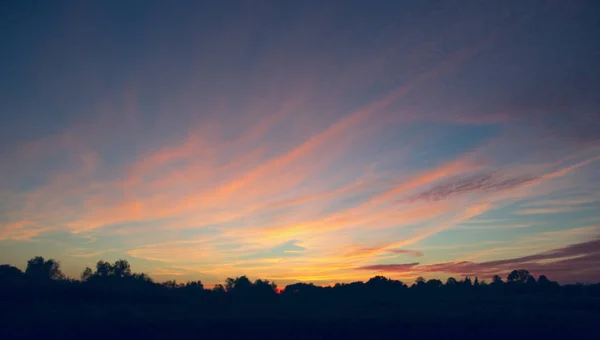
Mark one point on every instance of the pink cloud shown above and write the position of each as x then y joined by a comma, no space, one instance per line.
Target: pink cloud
406,252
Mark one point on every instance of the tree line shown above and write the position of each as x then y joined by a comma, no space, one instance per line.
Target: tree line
111,299
118,276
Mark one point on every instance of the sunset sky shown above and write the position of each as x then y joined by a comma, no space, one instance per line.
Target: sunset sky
315,141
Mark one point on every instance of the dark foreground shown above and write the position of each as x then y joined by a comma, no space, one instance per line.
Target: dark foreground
308,330
409,321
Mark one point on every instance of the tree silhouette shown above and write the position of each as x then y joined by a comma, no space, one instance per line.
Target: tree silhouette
519,275
142,277
172,284
86,274
218,288
41,270
264,287
434,283
121,268
382,282
197,285
378,280
497,280
103,269
239,284
451,281
303,288
10,274
229,284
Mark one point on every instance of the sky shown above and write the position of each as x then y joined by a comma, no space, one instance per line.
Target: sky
313,141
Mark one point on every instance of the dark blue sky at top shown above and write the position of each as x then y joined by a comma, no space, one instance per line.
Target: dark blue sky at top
58,56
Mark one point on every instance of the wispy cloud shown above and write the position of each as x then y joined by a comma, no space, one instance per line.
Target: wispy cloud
404,267
566,201
460,185
549,210
406,252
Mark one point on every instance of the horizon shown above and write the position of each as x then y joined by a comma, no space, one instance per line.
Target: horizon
108,270
315,141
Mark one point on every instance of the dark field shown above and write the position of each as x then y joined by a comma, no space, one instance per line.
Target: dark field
419,315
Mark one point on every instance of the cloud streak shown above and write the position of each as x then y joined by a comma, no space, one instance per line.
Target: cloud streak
461,185
406,252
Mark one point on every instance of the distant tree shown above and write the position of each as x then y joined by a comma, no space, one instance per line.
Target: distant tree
519,275
103,269
451,281
420,281
121,268
40,269
377,281
229,284
10,274
467,282
197,285
530,281
397,284
383,282
264,287
434,283
497,279
239,284
171,284
142,277
543,281
355,285
476,282
86,274
218,288
299,288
